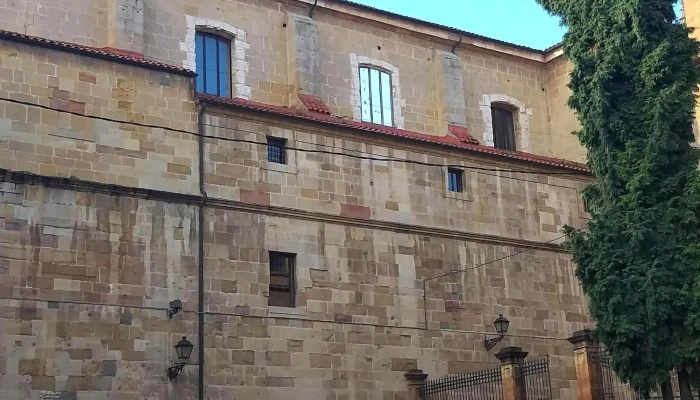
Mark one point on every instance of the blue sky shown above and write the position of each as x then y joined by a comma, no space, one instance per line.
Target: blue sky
522,22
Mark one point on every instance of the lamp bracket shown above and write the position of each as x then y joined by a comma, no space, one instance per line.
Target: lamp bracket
175,370
490,343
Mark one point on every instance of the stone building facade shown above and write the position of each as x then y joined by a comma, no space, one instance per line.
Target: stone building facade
116,172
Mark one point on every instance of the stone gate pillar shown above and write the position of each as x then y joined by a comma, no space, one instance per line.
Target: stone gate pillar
415,378
588,375
513,380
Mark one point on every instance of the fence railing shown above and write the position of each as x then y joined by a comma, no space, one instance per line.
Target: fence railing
610,387
538,385
479,385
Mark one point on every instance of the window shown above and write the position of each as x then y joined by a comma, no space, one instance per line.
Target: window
277,150
213,64
376,96
282,290
455,181
586,207
503,129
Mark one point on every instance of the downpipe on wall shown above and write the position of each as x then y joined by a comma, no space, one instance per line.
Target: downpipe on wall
200,255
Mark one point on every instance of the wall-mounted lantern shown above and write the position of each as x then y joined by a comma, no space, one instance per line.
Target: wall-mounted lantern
184,350
501,324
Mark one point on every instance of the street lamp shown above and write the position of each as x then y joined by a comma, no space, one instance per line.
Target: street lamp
184,350
501,325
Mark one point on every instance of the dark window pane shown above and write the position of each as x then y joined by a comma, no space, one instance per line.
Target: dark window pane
277,150
211,73
213,58
224,67
503,130
199,53
455,180
282,288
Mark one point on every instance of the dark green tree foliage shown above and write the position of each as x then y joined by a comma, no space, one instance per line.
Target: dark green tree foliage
633,87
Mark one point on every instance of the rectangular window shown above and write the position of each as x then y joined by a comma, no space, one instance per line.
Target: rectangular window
585,206
282,288
455,180
503,129
376,97
213,58
277,150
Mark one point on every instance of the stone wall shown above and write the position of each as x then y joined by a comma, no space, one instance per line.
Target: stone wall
47,142
562,119
509,205
67,257
83,22
271,73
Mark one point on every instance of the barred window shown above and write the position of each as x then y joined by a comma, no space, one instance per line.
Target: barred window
277,150
376,96
213,55
282,271
455,180
503,128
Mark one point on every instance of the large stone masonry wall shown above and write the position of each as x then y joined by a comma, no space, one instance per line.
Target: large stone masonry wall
563,122
84,22
46,142
77,251
60,144
358,325
512,205
272,78
270,72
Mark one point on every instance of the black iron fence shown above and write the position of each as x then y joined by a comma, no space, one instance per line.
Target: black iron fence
538,385
610,387
481,385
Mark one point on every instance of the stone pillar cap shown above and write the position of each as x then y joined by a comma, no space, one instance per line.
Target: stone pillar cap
582,338
509,355
416,375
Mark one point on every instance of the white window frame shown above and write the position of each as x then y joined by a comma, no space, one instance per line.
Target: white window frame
521,119
239,46
397,101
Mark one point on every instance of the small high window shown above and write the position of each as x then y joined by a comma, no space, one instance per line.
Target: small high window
277,150
213,64
282,288
376,96
503,128
455,180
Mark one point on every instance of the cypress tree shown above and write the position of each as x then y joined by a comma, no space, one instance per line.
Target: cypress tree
633,89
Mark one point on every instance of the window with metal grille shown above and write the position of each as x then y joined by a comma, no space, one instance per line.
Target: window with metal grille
376,97
277,150
213,58
503,128
282,288
455,180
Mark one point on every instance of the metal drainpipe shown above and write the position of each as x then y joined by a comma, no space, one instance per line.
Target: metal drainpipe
200,255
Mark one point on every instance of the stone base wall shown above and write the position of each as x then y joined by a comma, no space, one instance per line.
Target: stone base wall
85,280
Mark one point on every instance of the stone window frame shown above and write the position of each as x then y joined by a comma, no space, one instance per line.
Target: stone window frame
397,100
468,177
291,166
239,46
521,119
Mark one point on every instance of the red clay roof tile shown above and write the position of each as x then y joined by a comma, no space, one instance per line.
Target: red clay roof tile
106,53
461,143
314,104
462,134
